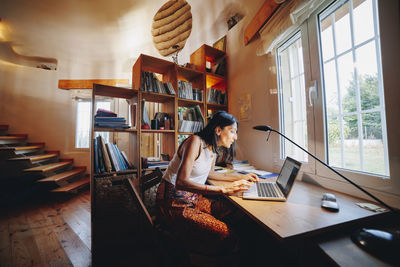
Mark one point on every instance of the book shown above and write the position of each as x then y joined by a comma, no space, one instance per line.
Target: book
113,157
145,115
121,162
100,155
130,165
106,156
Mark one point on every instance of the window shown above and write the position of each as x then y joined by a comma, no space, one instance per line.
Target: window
83,121
292,103
345,123
354,101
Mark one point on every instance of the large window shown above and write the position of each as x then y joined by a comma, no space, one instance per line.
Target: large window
341,44
354,101
83,121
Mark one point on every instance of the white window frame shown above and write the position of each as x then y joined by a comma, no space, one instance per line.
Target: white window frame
388,189
308,166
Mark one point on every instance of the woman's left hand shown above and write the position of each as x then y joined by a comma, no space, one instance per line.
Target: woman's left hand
251,177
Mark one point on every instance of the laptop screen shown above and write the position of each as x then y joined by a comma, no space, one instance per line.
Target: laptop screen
288,174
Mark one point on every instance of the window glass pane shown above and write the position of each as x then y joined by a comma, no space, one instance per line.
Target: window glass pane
331,88
374,156
347,83
342,29
355,117
334,141
327,38
83,121
292,98
82,124
363,21
351,146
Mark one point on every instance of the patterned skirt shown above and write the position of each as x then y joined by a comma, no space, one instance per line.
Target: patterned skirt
205,222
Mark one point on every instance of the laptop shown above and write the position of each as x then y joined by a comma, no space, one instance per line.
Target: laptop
279,190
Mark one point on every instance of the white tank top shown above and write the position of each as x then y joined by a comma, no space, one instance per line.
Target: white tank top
201,166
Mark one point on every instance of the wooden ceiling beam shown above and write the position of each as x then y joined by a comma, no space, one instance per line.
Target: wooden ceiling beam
88,84
262,16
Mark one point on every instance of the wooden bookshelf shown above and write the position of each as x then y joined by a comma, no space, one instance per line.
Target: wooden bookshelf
136,138
211,80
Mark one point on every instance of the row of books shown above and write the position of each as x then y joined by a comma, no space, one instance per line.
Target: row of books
216,96
190,119
185,90
151,83
108,119
108,157
189,126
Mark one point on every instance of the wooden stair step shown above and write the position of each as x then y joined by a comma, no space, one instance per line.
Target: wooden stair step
12,137
64,175
36,158
23,149
72,186
30,147
50,167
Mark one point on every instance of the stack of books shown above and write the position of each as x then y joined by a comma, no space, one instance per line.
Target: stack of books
153,163
108,119
243,166
108,157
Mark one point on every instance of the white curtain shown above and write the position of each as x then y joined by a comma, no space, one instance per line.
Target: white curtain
290,15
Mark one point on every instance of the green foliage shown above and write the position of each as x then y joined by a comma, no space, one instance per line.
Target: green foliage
369,95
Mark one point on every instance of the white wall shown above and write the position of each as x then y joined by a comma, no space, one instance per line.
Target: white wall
89,40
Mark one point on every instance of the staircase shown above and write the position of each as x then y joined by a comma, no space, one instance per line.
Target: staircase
27,168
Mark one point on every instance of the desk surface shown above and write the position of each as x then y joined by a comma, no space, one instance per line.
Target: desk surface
301,215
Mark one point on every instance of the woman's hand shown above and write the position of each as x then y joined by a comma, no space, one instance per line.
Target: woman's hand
251,177
237,186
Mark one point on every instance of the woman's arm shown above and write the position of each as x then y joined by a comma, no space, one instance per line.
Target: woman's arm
231,177
190,151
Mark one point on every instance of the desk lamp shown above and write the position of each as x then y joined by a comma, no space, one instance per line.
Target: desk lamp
384,245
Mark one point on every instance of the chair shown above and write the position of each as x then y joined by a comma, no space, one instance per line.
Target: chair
168,242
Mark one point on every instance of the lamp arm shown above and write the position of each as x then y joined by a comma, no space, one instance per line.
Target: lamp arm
329,167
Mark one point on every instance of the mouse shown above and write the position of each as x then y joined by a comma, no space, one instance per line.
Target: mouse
330,205
329,202
382,244
329,197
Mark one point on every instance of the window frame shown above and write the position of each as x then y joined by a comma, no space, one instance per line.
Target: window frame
386,187
74,128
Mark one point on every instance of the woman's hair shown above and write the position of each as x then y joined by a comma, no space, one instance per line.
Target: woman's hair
221,119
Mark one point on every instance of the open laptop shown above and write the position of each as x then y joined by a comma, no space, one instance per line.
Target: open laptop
279,190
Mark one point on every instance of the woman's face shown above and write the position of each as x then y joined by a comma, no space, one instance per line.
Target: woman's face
227,135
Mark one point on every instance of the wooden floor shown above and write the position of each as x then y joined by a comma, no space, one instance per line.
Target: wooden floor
47,232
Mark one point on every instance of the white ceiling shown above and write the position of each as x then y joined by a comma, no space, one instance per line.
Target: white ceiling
98,32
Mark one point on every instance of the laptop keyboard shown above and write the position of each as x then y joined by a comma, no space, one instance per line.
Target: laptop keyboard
267,190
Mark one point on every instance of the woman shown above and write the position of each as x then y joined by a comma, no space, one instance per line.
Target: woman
184,197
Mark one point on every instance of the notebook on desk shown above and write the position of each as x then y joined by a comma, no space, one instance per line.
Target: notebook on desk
279,190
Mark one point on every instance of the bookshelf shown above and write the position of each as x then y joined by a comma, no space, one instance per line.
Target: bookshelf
107,183
207,59
150,92
148,74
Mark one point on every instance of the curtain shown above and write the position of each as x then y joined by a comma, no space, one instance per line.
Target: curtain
290,15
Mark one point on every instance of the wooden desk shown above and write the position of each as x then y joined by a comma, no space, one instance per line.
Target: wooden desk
301,215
